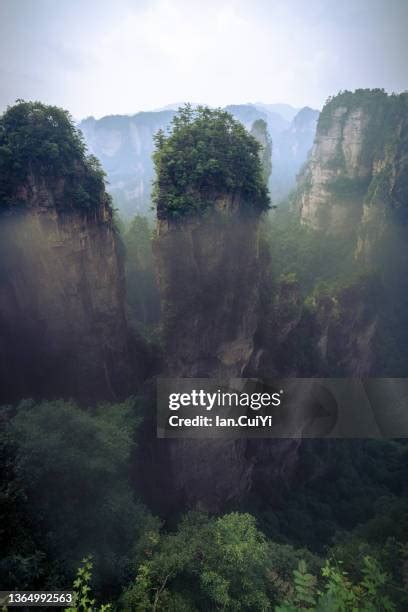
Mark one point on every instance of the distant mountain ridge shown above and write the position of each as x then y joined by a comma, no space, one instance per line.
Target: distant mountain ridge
124,145
286,111
290,152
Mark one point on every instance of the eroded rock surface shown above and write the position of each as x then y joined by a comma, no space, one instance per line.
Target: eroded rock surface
62,306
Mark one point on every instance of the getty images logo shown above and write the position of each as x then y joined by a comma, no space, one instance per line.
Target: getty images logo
221,399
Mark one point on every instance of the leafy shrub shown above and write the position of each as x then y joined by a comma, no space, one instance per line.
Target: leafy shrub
207,564
339,594
83,599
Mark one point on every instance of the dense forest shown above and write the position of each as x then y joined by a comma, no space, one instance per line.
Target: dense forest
336,540
80,504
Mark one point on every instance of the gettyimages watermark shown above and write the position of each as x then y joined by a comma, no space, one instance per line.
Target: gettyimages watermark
282,408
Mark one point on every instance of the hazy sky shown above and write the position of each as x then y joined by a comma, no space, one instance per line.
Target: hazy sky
97,57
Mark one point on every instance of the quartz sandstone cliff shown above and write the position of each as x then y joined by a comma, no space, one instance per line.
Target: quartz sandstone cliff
354,188
332,336
208,271
320,207
62,304
355,180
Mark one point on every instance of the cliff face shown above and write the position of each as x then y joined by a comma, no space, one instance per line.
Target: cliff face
357,162
208,273
332,336
345,331
259,131
320,206
355,188
62,319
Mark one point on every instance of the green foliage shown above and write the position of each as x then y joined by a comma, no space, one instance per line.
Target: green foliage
206,154
304,586
283,560
42,141
310,256
83,600
342,483
366,99
383,538
226,563
304,590
70,468
339,594
207,564
67,490
349,188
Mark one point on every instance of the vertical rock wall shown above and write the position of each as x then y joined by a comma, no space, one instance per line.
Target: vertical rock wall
63,330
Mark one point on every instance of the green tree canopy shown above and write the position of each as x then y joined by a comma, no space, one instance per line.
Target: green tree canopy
41,140
207,153
208,564
70,476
